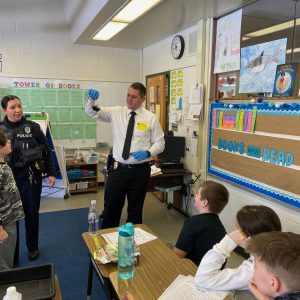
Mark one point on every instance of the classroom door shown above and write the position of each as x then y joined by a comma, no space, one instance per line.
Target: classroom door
157,97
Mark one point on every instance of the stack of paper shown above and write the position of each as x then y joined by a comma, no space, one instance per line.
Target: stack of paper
183,287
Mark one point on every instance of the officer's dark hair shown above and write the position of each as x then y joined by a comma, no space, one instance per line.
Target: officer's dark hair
7,98
140,87
3,139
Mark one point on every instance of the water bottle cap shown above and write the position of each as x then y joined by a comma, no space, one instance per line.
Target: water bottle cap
126,230
11,289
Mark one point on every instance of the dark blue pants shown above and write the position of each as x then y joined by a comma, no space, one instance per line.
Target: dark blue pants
130,182
30,191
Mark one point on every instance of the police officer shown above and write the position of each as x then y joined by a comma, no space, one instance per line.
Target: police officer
137,137
31,157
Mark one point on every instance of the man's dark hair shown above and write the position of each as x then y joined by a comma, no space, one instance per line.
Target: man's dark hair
7,98
140,87
254,219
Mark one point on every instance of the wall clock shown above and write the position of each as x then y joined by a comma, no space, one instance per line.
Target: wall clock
177,46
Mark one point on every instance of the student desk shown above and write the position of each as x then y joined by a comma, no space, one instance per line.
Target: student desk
157,268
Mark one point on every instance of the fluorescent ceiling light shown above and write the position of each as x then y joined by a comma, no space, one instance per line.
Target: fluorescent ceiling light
275,28
109,30
134,9
289,51
129,13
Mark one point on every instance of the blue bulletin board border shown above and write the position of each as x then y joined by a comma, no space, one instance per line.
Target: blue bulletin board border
239,180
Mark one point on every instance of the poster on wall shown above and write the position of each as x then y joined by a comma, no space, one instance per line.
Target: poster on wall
257,147
258,66
285,78
226,85
227,53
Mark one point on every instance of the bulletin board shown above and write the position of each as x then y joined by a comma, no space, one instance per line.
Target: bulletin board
65,108
64,102
257,147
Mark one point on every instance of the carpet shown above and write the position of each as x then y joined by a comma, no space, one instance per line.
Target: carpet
61,243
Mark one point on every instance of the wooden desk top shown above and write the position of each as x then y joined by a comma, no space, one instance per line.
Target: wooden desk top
156,250
157,268
152,279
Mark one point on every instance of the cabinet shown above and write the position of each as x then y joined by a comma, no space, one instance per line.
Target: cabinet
82,177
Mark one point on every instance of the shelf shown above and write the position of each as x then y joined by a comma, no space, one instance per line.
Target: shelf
94,189
85,177
83,184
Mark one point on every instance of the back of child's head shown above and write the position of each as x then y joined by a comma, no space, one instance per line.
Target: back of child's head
216,194
280,252
254,219
3,139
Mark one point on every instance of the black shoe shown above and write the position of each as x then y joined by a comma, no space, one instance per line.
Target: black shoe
33,255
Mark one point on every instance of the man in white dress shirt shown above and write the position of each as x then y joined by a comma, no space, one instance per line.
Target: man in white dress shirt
137,137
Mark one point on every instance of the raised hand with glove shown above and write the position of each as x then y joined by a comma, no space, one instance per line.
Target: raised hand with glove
93,94
141,155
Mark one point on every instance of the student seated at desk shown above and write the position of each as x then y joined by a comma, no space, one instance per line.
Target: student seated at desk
277,266
202,231
250,220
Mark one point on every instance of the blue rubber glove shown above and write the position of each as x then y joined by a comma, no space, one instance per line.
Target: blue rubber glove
141,155
93,94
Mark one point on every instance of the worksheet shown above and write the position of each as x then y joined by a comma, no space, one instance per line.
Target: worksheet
140,236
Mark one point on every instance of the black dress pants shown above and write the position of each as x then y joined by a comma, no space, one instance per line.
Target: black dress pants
131,182
30,188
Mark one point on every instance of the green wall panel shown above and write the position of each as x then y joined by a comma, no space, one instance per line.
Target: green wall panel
64,106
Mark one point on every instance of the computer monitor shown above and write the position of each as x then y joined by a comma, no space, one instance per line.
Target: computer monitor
174,148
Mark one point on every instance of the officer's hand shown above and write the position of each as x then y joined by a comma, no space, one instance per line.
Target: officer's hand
51,181
93,94
140,155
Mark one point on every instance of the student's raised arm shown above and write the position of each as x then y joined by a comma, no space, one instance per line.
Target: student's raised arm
211,277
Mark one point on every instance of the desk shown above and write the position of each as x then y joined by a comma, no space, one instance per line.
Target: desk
157,268
171,178
152,279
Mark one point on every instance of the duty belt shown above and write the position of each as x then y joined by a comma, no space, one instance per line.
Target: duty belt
117,164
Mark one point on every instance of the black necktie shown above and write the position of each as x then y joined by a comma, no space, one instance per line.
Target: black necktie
130,127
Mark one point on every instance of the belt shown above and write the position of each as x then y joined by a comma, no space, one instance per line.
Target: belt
117,164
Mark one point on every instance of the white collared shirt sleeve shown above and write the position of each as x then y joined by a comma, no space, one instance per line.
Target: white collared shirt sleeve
89,110
210,276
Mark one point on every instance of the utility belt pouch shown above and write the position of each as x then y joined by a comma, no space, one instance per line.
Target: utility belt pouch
32,155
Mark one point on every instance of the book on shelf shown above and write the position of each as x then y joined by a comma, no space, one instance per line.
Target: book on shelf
285,82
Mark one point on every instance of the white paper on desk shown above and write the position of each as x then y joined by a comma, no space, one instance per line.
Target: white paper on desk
140,236
183,287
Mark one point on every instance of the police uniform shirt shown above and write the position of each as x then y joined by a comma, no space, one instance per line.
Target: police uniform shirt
147,135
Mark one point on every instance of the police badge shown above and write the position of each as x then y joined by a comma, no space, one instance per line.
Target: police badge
115,165
27,129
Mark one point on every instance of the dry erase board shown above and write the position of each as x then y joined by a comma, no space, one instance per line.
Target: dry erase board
257,146
64,101
65,108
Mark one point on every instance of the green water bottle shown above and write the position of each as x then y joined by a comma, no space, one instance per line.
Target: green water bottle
126,251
